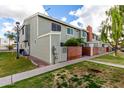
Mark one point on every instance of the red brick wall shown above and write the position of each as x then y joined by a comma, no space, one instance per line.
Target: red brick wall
74,52
107,49
90,34
86,51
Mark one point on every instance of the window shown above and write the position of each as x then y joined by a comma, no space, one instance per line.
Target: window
84,34
23,31
69,31
56,27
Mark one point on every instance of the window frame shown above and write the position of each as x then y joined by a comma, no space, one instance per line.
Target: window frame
71,31
55,27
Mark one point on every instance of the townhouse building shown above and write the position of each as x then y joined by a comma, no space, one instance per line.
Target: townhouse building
43,37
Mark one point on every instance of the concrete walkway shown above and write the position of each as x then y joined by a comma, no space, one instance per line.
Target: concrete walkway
24,75
106,63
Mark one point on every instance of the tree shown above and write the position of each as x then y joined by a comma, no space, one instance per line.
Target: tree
11,36
112,28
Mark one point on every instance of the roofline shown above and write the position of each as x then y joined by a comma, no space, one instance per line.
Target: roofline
53,19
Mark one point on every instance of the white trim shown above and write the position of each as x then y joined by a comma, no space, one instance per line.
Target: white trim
50,50
50,33
60,50
37,26
91,51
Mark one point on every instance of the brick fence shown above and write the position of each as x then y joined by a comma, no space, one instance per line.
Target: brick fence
86,51
74,52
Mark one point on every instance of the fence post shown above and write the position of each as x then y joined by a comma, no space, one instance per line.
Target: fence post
12,79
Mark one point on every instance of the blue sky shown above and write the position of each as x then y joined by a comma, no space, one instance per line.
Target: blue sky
59,11
56,11
4,20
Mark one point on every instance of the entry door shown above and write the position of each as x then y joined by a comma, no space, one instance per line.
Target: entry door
63,54
58,54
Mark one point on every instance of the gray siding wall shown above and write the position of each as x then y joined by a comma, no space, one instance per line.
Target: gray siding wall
32,30
44,26
40,47
65,36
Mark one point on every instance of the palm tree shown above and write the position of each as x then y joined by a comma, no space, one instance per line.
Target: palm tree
11,36
112,28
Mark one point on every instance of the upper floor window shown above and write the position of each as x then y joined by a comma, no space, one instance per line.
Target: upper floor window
94,37
70,31
84,34
56,27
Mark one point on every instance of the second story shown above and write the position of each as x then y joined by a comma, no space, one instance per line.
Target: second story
39,25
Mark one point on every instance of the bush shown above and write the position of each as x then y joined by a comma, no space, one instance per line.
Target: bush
73,42
65,79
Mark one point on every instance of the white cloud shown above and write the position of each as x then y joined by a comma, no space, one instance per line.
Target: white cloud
90,15
64,19
20,9
7,27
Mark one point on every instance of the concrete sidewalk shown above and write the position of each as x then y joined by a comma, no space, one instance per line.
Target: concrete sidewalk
28,74
105,63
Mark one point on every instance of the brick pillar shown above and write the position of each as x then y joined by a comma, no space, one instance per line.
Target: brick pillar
90,34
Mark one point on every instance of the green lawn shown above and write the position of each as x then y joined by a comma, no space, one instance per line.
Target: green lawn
111,58
83,74
10,65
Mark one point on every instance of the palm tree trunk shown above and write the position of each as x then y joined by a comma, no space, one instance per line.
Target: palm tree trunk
9,45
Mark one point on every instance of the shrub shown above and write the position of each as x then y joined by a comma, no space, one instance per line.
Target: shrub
81,41
64,78
73,42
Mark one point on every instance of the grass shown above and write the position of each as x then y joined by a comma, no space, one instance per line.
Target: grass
119,59
10,65
91,75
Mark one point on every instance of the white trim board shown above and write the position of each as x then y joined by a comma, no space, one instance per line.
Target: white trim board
37,26
50,33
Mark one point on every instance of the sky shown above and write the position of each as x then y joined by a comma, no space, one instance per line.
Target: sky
77,15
